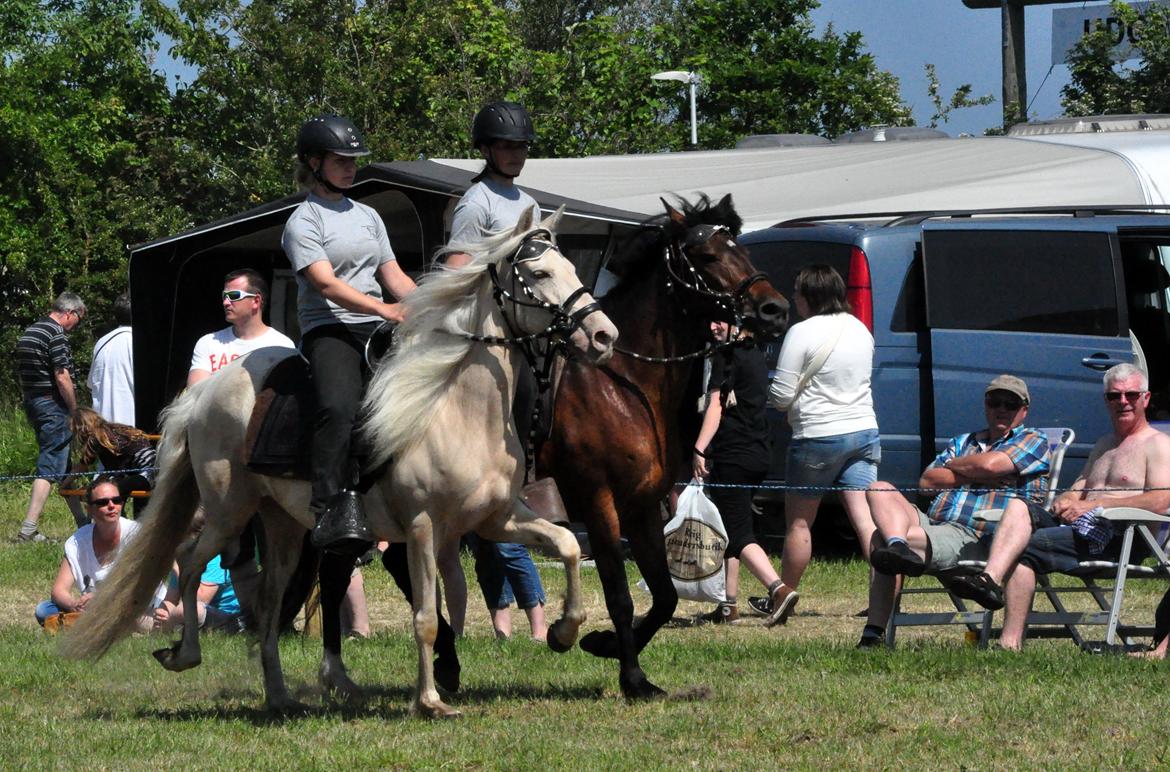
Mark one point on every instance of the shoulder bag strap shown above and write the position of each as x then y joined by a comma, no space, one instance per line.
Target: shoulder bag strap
818,360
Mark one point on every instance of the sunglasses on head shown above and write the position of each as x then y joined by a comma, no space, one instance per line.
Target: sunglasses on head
119,500
1131,396
234,295
995,403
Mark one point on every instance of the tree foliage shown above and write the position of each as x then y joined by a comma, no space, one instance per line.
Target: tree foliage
102,152
1099,86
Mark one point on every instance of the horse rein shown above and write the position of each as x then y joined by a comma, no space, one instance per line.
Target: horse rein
698,235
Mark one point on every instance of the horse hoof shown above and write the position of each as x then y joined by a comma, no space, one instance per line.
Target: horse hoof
287,706
601,643
643,691
554,637
437,710
169,658
447,676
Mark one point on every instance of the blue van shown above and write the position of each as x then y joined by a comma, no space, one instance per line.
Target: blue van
955,298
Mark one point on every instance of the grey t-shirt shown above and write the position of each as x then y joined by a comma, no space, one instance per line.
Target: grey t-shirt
486,208
352,238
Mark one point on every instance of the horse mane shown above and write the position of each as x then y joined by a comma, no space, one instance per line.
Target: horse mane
428,348
641,252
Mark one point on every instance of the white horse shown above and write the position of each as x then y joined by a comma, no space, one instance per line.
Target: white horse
439,411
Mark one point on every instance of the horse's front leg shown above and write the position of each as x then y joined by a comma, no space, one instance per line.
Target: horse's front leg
522,525
446,667
420,547
619,643
335,573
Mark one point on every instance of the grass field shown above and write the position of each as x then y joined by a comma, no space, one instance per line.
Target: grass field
741,696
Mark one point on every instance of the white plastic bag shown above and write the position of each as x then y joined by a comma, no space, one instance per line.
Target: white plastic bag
695,543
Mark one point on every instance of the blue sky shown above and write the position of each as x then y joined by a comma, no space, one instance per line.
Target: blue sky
963,44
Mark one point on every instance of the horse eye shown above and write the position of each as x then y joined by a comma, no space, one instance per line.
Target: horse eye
540,275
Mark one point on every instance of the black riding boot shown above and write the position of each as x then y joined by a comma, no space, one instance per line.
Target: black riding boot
342,528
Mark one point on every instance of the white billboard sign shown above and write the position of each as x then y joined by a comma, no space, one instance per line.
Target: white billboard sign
1069,25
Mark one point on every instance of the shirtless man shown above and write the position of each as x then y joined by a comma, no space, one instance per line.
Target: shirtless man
1134,458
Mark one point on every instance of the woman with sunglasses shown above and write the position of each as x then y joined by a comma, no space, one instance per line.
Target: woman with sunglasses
341,253
823,382
90,553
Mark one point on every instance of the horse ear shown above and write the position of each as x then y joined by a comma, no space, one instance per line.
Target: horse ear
524,224
551,222
725,204
677,217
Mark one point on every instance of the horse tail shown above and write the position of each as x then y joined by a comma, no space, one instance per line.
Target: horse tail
146,559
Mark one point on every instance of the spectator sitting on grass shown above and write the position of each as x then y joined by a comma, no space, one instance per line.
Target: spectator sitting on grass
90,553
218,607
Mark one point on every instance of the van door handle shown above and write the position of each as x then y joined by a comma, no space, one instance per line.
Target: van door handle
1100,362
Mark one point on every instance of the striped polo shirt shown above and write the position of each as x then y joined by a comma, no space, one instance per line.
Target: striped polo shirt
40,352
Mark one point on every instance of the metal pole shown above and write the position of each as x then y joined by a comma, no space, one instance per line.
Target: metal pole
694,122
1015,88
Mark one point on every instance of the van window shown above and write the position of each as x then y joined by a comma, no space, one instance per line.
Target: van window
782,260
1025,281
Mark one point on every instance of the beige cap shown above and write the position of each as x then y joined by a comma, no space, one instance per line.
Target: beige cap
1009,383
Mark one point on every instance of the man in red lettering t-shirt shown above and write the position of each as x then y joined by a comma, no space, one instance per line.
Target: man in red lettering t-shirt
244,294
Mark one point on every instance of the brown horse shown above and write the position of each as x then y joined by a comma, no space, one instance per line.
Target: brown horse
615,444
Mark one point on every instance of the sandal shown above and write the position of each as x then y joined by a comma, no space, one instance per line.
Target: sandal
980,588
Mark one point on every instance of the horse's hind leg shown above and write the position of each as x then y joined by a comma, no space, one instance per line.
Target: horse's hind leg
193,557
335,574
420,546
283,538
619,643
446,666
524,526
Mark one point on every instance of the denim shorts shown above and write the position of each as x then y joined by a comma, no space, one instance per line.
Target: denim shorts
842,459
50,419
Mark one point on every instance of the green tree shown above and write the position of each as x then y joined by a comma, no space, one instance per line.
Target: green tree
1099,86
764,71
960,98
80,118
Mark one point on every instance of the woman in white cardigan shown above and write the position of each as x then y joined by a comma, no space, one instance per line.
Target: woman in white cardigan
823,382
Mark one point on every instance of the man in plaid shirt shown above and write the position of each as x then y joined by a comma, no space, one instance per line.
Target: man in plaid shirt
1133,458
1003,467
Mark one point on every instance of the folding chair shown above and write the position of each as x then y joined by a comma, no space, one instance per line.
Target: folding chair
1108,599
976,619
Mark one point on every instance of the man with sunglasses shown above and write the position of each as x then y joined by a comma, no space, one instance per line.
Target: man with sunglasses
1134,458
243,298
44,365
1002,467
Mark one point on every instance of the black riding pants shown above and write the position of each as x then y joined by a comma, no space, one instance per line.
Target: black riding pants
336,355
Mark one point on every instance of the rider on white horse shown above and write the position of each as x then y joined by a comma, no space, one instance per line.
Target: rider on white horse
341,253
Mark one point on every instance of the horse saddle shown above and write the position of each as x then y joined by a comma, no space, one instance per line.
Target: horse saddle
280,431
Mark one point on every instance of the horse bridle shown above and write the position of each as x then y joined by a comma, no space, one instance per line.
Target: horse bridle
675,252
560,328
697,286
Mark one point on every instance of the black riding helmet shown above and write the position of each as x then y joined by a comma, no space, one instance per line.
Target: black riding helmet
495,121
329,134
501,120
